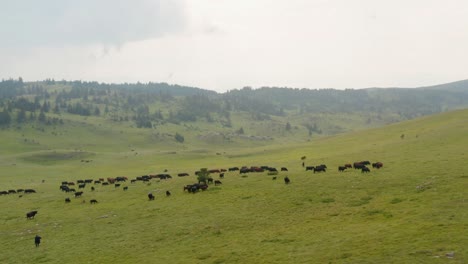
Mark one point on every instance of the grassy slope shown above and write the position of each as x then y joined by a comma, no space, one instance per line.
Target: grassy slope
349,217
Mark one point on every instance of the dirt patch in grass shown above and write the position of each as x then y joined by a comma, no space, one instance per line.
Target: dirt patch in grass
49,158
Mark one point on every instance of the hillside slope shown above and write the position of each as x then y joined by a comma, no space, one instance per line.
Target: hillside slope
413,210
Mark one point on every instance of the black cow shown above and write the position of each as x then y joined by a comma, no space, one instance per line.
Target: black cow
183,174
308,168
287,180
284,169
117,185
78,194
92,188
20,190
377,165
320,168
342,168
71,190
97,182
221,175
358,165
365,169
210,180
64,188
93,201
348,166
217,182
150,196
270,169
29,191
168,193
3,193
81,186
233,169
67,200
125,188
30,215
105,183
64,183
88,181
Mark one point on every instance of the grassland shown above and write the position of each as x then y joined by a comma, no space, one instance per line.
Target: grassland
413,210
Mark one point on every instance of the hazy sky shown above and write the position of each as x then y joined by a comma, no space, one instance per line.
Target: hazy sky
227,44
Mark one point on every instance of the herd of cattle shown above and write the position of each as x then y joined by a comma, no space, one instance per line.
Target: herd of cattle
69,186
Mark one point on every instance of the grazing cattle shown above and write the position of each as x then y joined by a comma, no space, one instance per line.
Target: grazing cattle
71,190
183,174
125,188
377,165
3,193
88,181
214,171
284,169
133,181
308,168
121,178
78,194
64,183
244,170
365,162
342,168
71,183
93,201
168,193
270,169
67,200
287,180
105,183
233,169
365,169
92,188
97,182
29,191
348,166
358,165
210,180
117,185
101,179
274,178
221,175
320,168
64,188
81,186
20,190
30,215
150,196
217,182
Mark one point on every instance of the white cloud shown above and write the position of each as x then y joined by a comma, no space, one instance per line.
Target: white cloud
226,44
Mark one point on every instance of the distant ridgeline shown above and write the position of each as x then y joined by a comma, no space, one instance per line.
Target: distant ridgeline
150,104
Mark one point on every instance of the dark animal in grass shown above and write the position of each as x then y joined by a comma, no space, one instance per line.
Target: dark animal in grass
30,215
29,191
358,165
78,194
217,182
284,169
93,201
377,165
287,180
37,240
168,193
117,185
365,169
221,175
67,200
125,188
342,168
308,168
92,188
150,196
210,180
81,186
274,178
320,168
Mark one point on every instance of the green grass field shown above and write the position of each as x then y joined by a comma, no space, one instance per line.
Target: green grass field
413,210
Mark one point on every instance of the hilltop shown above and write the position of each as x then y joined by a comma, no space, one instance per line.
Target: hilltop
76,115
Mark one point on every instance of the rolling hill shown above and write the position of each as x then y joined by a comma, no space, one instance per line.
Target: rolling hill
413,210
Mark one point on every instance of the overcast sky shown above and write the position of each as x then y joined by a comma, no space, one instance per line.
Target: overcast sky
227,44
